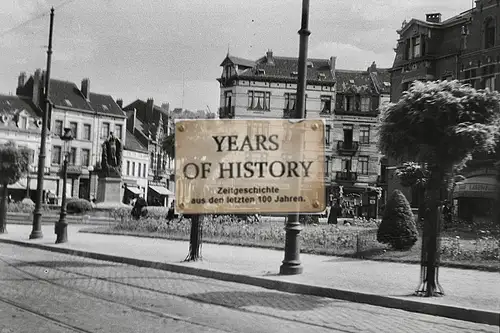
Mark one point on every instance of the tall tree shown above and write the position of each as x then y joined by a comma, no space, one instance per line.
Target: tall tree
441,124
414,176
14,162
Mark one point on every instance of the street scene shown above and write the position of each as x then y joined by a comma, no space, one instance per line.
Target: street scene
242,166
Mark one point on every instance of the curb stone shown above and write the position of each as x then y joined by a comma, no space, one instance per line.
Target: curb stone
452,312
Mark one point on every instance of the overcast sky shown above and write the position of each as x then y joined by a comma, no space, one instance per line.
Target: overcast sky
148,48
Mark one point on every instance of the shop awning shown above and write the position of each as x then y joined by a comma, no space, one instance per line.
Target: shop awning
17,186
161,190
134,190
477,187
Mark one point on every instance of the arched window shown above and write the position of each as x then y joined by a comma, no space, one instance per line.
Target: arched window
489,33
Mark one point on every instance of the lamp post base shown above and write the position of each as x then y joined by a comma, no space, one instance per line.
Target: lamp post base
291,268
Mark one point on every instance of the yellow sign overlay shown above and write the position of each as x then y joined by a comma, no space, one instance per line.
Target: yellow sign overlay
237,166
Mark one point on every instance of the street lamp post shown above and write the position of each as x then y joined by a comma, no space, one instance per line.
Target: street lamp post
61,225
291,264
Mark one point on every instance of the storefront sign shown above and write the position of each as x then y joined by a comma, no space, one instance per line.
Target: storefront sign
249,166
476,190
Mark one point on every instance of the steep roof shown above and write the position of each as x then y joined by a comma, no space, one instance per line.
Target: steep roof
369,81
105,104
131,143
67,94
10,104
287,68
438,25
238,61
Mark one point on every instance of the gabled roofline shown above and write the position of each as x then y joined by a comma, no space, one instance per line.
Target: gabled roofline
441,25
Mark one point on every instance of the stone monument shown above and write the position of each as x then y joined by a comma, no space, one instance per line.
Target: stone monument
109,190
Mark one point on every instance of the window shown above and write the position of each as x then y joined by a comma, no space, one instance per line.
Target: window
259,100
144,171
349,103
152,162
74,129
118,130
326,104
327,166
489,83
139,165
72,157
346,164
489,33
86,132
22,122
363,165
56,154
327,134
85,157
364,135
58,127
128,168
290,100
133,168
365,104
228,95
416,47
105,130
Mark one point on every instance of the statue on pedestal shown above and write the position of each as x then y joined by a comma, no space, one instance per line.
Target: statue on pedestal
111,161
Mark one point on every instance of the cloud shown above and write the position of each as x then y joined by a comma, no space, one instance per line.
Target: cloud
350,56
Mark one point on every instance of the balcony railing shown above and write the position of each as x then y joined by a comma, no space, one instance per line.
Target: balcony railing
371,113
226,112
346,176
347,148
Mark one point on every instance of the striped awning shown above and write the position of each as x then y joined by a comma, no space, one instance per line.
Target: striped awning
161,190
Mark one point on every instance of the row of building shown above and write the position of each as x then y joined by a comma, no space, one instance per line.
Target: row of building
465,47
92,117
347,100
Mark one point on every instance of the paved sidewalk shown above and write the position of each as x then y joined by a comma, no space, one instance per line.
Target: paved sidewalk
470,295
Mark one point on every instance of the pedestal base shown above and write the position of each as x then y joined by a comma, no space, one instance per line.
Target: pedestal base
109,192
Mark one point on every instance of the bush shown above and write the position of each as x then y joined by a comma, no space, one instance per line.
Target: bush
398,228
77,205
309,219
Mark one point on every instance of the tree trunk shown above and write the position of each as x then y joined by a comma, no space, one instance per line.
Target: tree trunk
3,209
429,285
195,238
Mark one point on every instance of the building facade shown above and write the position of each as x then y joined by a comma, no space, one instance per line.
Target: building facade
347,101
92,118
135,168
149,124
465,47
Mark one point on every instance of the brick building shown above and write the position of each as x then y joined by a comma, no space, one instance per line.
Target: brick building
464,47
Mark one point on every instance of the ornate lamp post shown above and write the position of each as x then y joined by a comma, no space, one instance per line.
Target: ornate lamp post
61,225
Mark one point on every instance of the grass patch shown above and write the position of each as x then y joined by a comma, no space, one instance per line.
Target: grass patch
467,251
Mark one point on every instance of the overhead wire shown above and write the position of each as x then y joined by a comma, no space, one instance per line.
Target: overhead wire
22,24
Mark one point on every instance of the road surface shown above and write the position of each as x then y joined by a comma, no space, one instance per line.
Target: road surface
42,291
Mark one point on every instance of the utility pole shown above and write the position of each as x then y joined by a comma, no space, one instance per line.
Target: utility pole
291,264
37,214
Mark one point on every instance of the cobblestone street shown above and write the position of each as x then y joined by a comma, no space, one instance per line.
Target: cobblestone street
48,292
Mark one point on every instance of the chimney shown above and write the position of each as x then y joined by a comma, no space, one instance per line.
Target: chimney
372,68
331,63
119,101
86,88
269,57
37,88
131,116
149,109
433,18
21,80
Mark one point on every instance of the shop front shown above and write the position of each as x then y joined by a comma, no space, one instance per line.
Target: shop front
476,197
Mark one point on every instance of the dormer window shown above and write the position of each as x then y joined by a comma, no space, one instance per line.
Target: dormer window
321,76
67,102
294,74
260,71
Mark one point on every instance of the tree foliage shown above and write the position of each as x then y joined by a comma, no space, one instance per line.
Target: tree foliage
14,162
398,227
440,122
411,174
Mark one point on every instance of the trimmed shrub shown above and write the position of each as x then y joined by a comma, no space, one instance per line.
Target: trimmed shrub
398,228
78,206
309,219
